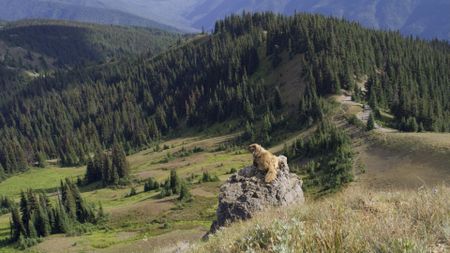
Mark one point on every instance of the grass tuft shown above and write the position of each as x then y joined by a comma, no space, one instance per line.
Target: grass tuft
355,220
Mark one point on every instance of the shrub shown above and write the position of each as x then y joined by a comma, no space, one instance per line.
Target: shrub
232,171
330,152
151,185
370,123
185,195
133,192
209,178
353,120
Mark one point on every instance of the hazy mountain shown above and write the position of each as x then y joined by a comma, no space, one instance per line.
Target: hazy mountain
425,18
85,11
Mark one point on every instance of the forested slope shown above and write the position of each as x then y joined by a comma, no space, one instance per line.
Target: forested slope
33,48
219,77
67,44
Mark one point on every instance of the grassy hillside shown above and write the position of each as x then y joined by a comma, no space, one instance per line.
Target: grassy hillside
402,160
194,109
137,222
145,221
228,75
356,220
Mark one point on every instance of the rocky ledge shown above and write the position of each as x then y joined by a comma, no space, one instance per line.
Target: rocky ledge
246,193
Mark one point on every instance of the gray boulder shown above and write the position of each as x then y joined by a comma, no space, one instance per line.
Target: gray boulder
246,193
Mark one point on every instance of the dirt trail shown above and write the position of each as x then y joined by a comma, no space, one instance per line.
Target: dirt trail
364,114
395,160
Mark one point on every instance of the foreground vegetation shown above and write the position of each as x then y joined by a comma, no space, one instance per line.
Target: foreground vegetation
188,171
147,219
35,217
355,220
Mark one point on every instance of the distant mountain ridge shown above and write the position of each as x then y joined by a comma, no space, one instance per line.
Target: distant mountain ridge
424,18
12,10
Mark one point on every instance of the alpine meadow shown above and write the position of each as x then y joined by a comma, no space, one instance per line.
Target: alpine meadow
138,139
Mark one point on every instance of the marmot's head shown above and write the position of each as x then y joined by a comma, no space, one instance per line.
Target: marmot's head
254,148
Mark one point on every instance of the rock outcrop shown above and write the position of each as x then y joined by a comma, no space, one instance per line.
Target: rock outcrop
245,193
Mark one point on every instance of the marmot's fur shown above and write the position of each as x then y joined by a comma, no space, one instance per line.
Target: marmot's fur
265,161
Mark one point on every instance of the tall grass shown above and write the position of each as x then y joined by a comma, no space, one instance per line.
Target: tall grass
355,220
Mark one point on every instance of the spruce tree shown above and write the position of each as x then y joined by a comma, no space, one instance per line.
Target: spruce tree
68,200
174,182
184,193
119,161
370,122
17,226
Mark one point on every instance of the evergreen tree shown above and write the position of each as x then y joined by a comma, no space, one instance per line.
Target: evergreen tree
68,200
37,217
174,182
17,226
370,122
184,193
132,192
40,159
119,161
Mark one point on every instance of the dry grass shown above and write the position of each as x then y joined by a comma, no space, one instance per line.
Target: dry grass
405,160
355,220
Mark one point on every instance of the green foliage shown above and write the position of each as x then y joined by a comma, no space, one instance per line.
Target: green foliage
133,192
174,181
36,217
110,169
183,152
5,204
71,114
25,242
151,185
353,120
171,186
410,125
40,160
185,195
370,122
70,44
207,177
232,171
331,157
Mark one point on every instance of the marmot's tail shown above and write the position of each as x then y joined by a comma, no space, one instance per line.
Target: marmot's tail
271,175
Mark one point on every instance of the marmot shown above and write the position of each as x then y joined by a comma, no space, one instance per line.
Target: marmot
265,161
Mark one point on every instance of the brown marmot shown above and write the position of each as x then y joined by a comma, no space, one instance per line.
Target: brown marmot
265,161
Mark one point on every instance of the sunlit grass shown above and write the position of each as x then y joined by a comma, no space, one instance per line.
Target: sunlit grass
355,220
38,179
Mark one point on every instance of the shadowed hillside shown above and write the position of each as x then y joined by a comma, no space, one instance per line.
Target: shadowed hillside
218,77
36,48
68,44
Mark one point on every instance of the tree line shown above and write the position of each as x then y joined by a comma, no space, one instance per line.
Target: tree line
110,169
69,115
36,216
329,154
